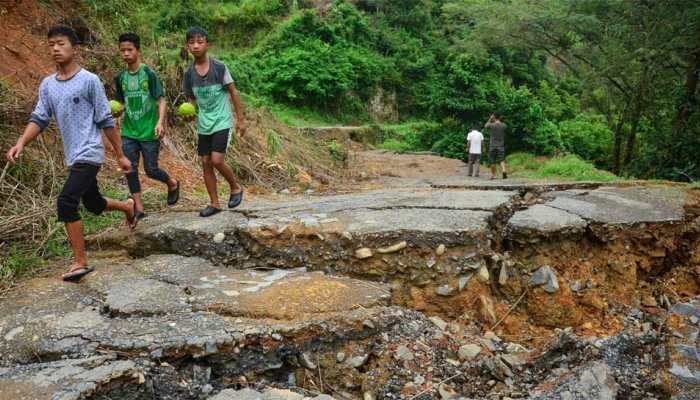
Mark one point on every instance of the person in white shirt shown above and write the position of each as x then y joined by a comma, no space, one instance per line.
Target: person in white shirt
475,143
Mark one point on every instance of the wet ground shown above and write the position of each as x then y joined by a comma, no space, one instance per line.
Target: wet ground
423,284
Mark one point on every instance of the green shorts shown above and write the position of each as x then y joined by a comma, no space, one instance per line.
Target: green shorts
496,155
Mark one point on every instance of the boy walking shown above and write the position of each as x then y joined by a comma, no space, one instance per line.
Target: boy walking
208,83
475,144
76,99
497,144
140,91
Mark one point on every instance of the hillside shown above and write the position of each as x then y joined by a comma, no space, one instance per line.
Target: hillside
415,75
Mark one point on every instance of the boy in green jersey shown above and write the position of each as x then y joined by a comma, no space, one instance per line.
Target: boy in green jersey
208,83
140,90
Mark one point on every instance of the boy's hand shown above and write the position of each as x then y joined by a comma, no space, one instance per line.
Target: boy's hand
14,153
241,127
117,114
160,130
124,164
188,118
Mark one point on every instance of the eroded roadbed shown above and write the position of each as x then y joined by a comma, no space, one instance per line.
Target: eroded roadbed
553,292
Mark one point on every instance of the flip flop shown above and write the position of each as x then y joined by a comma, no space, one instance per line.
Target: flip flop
235,199
209,211
133,221
77,275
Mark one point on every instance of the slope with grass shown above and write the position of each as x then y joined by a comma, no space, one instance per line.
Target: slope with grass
567,167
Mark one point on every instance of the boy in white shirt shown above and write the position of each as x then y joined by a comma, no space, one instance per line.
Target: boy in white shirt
475,144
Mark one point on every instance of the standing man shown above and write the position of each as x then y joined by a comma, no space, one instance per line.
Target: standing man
140,90
475,145
208,83
77,100
497,144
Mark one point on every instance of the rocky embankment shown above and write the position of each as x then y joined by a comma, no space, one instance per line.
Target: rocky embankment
477,290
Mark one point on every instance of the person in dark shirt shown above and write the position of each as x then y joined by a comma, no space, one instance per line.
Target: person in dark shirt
497,144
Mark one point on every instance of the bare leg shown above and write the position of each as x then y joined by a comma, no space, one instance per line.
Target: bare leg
77,244
127,207
76,234
210,181
493,171
218,159
503,167
172,184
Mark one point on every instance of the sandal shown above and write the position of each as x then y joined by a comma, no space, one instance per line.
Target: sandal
209,211
78,274
235,199
174,195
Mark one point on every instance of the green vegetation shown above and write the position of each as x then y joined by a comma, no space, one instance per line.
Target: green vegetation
613,82
568,167
584,86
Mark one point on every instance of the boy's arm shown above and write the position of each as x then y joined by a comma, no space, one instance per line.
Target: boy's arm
103,120
115,139
238,107
162,110
30,133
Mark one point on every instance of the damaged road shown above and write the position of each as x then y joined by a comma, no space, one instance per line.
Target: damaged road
524,290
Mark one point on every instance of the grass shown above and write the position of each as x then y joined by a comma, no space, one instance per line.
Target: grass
396,145
568,167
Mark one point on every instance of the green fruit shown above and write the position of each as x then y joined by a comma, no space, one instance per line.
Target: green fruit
115,106
186,110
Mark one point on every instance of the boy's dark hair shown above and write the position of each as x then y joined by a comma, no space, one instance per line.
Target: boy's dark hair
196,31
132,38
64,30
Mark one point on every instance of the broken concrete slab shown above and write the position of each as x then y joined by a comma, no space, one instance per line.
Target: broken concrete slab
542,219
512,184
328,230
65,379
386,199
623,205
145,297
194,283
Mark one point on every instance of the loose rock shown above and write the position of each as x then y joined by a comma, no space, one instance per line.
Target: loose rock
219,237
363,253
469,352
440,250
392,249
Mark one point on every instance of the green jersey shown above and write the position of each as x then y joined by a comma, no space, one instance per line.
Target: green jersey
139,92
213,100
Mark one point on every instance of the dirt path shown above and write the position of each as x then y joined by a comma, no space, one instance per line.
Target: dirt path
405,287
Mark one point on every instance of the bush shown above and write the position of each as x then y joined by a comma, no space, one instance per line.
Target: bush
395,145
569,167
588,136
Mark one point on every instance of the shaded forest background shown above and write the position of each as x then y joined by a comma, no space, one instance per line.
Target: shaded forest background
612,81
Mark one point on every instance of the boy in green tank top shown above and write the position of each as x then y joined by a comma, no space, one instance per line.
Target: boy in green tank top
140,91
208,83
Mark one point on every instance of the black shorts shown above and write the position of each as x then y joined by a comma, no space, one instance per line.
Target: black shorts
496,155
80,185
216,142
